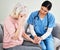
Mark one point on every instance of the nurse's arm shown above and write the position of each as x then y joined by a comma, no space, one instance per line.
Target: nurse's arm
31,28
36,38
47,33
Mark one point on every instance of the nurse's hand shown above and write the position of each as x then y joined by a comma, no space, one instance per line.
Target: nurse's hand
37,39
40,39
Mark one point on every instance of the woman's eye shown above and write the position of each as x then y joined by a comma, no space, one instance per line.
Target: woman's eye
21,16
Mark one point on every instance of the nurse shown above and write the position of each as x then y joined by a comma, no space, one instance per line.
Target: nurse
41,24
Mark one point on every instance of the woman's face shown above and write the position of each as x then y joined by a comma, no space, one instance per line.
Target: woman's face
22,15
18,15
43,10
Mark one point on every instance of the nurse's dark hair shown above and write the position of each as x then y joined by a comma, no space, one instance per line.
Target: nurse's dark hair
47,4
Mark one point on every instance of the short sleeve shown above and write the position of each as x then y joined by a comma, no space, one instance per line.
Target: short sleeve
9,27
51,21
30,19
8,30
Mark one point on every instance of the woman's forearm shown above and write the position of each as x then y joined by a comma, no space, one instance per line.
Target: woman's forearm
27,37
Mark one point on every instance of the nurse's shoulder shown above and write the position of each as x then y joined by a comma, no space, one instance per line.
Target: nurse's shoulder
50,15
33,14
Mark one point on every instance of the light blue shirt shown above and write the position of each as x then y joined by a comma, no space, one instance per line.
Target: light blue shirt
40,26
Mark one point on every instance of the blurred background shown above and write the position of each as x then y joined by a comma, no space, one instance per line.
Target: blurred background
6,7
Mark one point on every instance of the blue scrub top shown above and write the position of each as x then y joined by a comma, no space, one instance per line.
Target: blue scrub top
40,26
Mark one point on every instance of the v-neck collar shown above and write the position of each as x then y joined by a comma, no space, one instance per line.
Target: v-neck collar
43,18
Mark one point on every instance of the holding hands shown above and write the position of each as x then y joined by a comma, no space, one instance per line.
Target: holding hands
37,39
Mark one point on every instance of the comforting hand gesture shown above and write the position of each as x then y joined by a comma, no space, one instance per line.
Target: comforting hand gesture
37,40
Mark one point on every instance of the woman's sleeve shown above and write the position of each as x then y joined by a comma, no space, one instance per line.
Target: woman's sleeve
8,30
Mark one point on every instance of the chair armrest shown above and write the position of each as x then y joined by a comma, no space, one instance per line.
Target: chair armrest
1,33
56,31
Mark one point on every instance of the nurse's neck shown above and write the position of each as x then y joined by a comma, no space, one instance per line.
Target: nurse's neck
41,15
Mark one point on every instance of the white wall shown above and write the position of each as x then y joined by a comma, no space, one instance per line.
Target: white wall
7,5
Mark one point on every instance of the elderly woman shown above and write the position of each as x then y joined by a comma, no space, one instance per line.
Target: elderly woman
14,28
